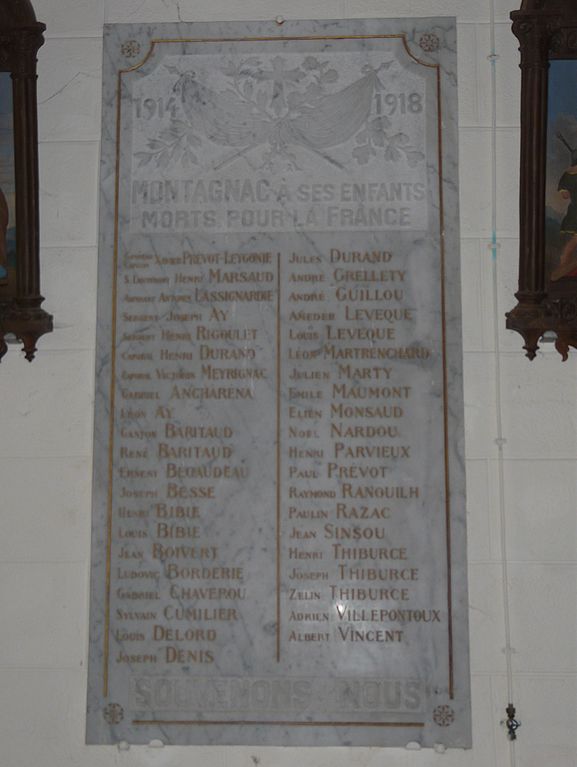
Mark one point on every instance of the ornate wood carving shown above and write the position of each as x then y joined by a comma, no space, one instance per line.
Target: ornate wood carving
546,30
21,315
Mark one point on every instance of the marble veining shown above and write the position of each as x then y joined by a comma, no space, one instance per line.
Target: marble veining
279,551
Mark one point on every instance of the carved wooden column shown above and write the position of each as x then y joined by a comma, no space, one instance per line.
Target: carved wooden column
21,35
546,30
534,38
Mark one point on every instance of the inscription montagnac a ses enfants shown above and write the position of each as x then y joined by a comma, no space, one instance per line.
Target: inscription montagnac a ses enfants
278,515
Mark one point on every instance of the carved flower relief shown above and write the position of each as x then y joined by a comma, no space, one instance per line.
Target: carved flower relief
444,716
429,42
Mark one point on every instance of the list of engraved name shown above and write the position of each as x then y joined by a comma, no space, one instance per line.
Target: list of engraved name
321,347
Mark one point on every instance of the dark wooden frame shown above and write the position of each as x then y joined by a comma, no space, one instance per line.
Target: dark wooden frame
546,30
21,315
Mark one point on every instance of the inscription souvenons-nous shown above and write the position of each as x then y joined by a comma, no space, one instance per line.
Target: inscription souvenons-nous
278,497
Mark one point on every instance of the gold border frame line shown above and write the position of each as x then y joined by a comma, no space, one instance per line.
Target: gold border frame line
106,649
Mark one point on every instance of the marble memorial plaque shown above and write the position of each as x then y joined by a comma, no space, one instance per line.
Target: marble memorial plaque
279,511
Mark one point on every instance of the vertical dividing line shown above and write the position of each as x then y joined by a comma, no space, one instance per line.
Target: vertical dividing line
499,441
445,392
278,460
106,652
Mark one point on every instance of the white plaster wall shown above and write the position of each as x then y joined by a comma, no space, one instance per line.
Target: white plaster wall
46,423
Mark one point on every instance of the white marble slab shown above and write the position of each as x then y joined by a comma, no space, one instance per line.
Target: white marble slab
278,518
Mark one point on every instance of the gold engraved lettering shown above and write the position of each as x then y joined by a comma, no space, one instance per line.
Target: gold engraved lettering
175,375
204,333
211,392
343,450
356,256
345,511
304,413
126,317
348,573
185,433
309,375
340,352
369,275
309,296
303,316
379,491
180,278
307,616
306,277
174,654
126,513
135,615
308,636
303,354
303,535
139,394
295,513
203,452
183,316
296,433
349,634
132,413
138,299
305,393
171,335
294,553
359,334
356,314
168,356
162,552
137,357
208,352
168,298
218,275
126,492
164,530
303,335
148,596
295,594
308,575
164,634
203,573
192,614
218,593
123,657
203,296
362,373
167,511
137,433
301,452
123,573
126,473
124,533
363,595
356,553
174,471
357,471
121,635
130,376
296,473
333,532
126,452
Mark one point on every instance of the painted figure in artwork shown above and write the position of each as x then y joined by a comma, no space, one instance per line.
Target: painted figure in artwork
568,189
